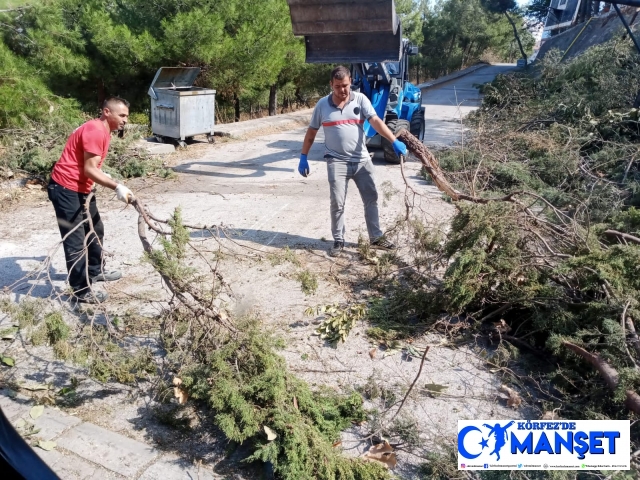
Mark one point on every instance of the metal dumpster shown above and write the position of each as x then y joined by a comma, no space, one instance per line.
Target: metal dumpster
178,109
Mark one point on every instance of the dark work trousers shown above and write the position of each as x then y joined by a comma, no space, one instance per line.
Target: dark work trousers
70,212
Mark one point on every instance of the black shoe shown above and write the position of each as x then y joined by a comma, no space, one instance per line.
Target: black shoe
337,248
383,244
107,276
92,297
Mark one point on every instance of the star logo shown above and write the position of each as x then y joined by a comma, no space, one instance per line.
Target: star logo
484,443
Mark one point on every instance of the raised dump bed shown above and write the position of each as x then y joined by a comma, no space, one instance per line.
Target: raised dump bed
347,31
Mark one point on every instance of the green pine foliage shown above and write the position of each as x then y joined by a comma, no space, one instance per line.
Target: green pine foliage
564,140
26,99
458,33
247,386
244,385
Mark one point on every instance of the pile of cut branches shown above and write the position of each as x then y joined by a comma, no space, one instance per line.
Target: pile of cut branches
232,367
544,250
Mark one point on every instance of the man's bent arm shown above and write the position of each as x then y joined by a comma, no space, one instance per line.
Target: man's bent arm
379,126
92,171
309,137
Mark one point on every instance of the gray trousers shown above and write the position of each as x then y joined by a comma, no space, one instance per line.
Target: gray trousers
362,173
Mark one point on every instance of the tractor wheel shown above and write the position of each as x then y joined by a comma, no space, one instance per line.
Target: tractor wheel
395,126
417,125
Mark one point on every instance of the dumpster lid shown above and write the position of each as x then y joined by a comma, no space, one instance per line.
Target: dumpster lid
167,77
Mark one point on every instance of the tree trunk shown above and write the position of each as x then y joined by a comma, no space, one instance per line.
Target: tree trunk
102,95
236,105
453,42
273,100
515,33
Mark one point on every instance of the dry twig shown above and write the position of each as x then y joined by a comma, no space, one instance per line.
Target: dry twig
424,356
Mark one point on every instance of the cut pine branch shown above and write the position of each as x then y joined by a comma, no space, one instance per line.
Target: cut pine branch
198,307
608,373
624,236
432,166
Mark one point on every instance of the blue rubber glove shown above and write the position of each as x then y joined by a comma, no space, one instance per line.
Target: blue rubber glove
303,166
399,147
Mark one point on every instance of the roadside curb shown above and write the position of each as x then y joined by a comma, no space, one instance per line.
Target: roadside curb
245,128
239,130
452,76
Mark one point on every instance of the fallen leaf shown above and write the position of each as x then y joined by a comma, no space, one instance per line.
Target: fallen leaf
434,389
181,395
391,350
33,431
36,411
47,445
177,381
551,416
337,444
295,403
34,387
20,423
501,326
382,453
514,399
373,352
8,361
271,435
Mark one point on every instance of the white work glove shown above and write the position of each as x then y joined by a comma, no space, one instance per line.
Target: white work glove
124,194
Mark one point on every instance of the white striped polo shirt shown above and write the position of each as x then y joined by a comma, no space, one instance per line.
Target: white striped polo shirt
344,136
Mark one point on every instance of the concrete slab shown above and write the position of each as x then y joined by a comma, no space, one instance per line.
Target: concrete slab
108,449
155,148
71,467
16,407
172,467
52,423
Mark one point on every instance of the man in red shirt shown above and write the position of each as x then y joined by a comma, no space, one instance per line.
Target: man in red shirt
72,179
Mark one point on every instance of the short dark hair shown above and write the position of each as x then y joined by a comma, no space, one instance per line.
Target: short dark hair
340,73
113,99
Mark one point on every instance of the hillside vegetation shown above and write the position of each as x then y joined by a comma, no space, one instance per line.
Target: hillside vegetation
544,260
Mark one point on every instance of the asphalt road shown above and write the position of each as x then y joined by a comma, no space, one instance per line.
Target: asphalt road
447,103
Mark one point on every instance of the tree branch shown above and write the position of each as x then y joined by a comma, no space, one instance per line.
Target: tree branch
625,236
424,356
608,373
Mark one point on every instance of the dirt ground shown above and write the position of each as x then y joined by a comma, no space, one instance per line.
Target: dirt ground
249,190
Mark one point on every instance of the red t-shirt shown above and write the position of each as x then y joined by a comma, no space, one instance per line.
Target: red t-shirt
90,137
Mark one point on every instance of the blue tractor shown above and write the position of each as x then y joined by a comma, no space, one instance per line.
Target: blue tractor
368,35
